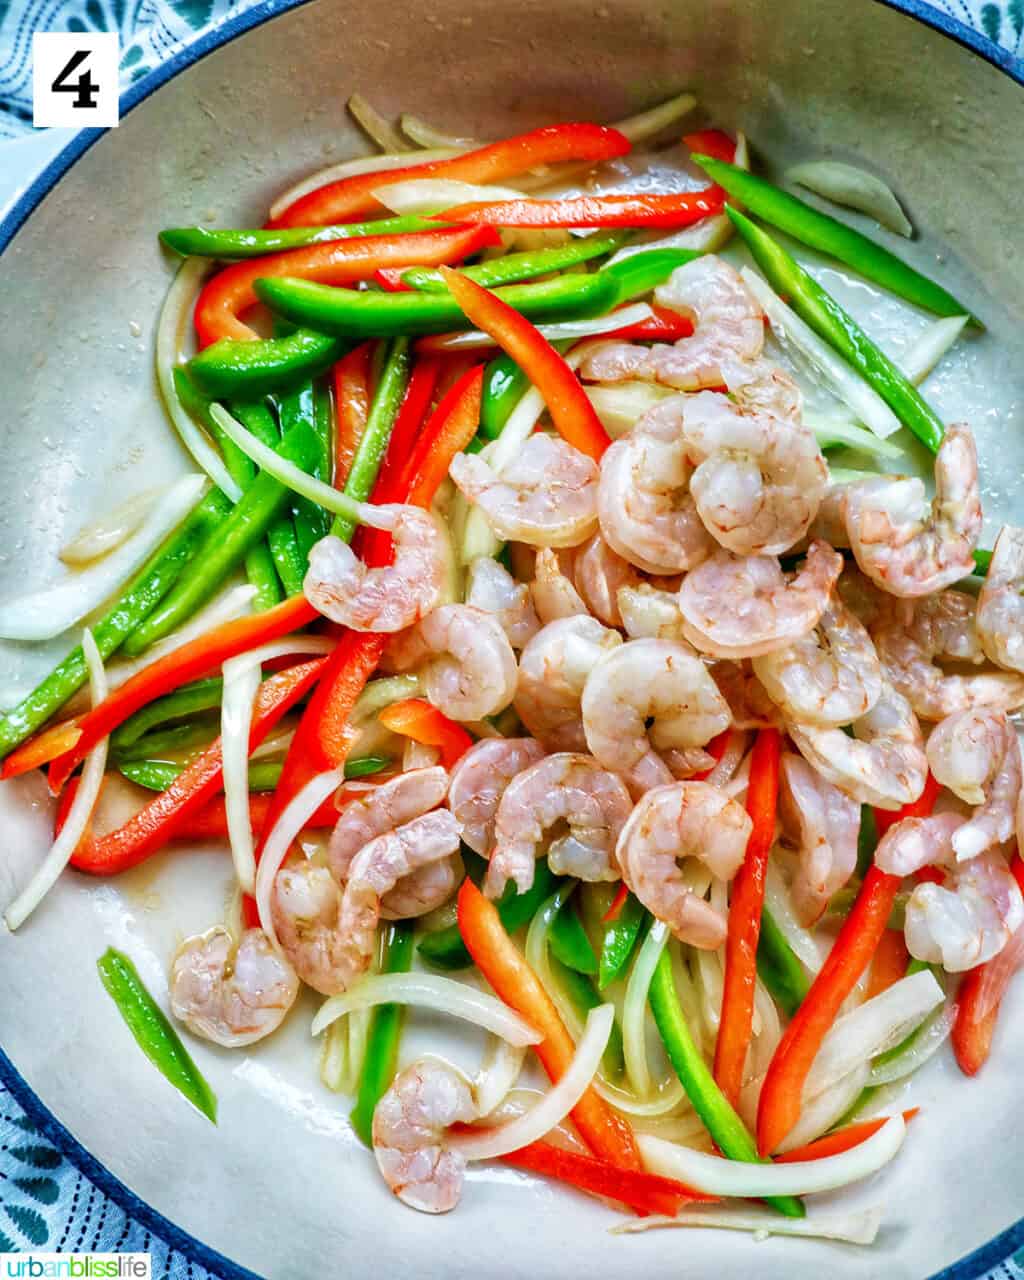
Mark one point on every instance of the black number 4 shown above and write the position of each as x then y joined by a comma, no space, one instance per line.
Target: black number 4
85,88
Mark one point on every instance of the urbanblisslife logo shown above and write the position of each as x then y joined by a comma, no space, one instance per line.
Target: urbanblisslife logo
75,1266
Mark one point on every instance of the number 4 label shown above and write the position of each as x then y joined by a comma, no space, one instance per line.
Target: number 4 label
75,79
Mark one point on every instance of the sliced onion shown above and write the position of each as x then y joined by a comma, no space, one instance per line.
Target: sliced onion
855,189
434,195
719,1177
822,1112
928,1040
921,358
294,817
636,313
687,1128
379,694
77,821
241,684
780,904
634,1012
537,957
660,1104
732,758
854,392
711,983
647,124
424,134
431,991
620,407
170,337
851,1228
830,429
45,614
498,1074
109,531
876,1025
350,168
556,1104
373,124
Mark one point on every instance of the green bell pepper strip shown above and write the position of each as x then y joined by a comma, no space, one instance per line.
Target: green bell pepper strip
206,242
153,582
779,968
642,272
445,948
176,737
982,560
259,564
569,942
249,369
201,695
153,1032
264,775
373,443
620,939
581,993
505,384
830,236
311,521
721,1121
384,1033
867,840
830,322
226,547
520,266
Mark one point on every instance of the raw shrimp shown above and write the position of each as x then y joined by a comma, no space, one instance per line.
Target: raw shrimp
479,780
380,809
644,504
409,1124
968,922
231,995
759,478
466,661
728,333
389,598
599,573
976,755
914,843
907,553
883,764
650,612
492,588
645,697
328,933
683,820
1000,605
830,676
748,700
911,636
554,595
563,790
736,607
546,496
829,523
824,824
553,669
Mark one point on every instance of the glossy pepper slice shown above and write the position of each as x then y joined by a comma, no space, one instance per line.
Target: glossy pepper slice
351,378
235,243
520,266
353,197
639,209
416,719
228,369
620,941
229,294
385,1032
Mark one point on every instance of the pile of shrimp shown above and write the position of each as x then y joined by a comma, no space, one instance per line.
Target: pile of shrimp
702,581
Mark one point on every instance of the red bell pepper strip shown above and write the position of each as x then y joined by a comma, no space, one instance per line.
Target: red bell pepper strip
188,662
644,1192
451,427
350,198
572,413
351,377
618,902
713,143
230,293
409,422
746,904
664,326
211,822
498,958
638,209
779,1106
834,1144
889,963
415,718
975,1026
43,748
160,821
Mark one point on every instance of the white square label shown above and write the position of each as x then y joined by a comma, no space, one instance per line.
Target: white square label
75,79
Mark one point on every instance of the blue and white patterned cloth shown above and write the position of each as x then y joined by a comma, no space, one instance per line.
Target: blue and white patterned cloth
46,1201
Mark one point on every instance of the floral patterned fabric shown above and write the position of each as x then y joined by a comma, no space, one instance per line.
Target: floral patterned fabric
46,1202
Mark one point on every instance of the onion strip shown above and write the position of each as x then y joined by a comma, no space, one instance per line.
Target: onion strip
373,124
822,1112
77,821
854,189
350,168
928,349
927,1041
634,1010
715,1176
433,195
779,903
646,124
430,991
294,817
110,530
556,1104
424,134
831,429
46,613
854,392
498,1074
170,335
635,313
850,1228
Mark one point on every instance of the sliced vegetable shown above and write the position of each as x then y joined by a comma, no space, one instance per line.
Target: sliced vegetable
927,350
582,995
779,967
415,718
888,964
111,530
381,1057
833,1144
209,242
249,369
373,124
620,940
351,377
850,1228
153,1032
511,267
157,775
855,188
569,942
634,1008
638,209
615,324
